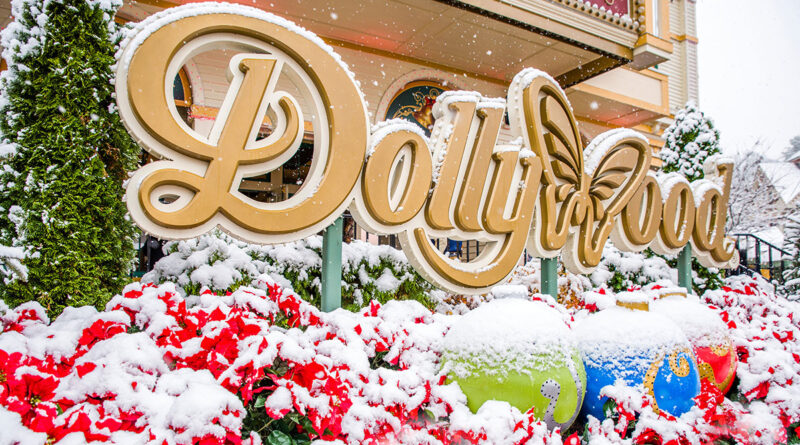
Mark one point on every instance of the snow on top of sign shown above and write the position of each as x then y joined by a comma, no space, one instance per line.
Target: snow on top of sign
700,188
151,24
525,77
506,334
668,181
605,142
492,102
784,177
385,128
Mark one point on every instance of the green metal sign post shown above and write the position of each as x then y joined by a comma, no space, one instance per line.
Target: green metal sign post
332,266
685,268
549,276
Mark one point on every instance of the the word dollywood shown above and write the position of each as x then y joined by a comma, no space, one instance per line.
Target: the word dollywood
543,191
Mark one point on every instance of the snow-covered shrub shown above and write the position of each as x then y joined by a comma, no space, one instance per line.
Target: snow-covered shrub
63,154
263,366
618,271
570,285
221,263
765,330
260,365
621,271
688,142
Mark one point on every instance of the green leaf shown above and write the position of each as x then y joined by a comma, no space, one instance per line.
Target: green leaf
260,400
609,408
279,438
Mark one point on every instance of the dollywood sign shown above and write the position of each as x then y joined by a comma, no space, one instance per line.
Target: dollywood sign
543,192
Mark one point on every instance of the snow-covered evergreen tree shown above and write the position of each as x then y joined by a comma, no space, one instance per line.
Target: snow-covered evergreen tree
689,142
791,244
64,154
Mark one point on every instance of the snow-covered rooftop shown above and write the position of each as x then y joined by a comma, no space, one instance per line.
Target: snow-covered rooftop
785,177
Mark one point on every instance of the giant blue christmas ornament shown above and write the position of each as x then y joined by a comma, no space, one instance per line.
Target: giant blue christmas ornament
520,352
626,343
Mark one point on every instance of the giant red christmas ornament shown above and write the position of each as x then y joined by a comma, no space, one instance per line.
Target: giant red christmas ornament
711,342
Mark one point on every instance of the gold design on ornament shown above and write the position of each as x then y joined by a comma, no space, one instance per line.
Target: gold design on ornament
720,350
679,365
650,379
731,369
707,373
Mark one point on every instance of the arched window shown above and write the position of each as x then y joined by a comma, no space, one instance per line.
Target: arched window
182,94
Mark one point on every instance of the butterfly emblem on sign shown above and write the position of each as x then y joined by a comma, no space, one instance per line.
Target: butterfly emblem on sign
582,190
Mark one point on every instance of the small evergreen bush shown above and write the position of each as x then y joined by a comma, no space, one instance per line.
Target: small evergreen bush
223,264
688,142
621,271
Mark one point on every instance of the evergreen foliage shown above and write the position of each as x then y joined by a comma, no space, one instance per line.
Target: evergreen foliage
64,154
791,276
689,141
221,263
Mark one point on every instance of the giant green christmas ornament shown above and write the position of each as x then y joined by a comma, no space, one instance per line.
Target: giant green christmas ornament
520,352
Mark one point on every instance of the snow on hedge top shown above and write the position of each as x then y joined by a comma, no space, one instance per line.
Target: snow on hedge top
218,261
625,339
507,334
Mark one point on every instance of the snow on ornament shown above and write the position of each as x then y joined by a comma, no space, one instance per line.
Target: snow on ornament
643,349
705,330
520,352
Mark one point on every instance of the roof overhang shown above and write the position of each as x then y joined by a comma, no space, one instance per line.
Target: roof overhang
622,97
481,38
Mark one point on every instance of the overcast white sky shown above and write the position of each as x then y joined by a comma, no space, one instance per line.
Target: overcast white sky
749,60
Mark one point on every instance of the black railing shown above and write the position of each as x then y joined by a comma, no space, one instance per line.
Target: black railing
759,256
